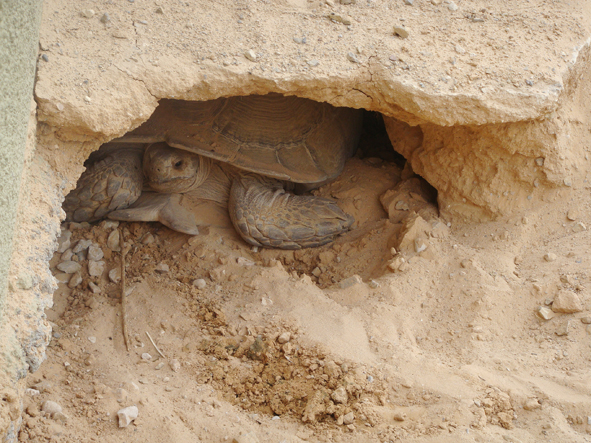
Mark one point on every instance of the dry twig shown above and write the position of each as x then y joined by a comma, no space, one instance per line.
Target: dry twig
156,347
124,249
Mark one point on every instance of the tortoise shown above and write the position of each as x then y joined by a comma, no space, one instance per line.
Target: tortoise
256,154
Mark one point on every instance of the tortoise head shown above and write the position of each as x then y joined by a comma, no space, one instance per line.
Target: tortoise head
171,170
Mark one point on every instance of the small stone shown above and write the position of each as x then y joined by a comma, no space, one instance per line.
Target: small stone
75,280
550,256
96,268
94,288
95,253
579,227
409,2
115,274
544,313
567,182
109,224
452,6
586,320
567,302
82,245
350,281
401,205
348,2
436,2
572,214
316,272
299,40
87,13
159,366
199,283
113,241
399,416
51,408
244,261
373,284
349,418
250,55
32,392
396,263
92,339
540,161
105,18
401,31
148,239
352,57
63,242
339,18
162,268
284,337
69,267
313,62
127,415
175,365
563,329
146,356
532,404
459,49
421,245
159,10
45,57
339,395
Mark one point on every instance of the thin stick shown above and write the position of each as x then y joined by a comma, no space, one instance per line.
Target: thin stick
159,351
123,295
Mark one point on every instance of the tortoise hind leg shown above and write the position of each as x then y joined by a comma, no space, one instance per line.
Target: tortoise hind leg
163,208
264,214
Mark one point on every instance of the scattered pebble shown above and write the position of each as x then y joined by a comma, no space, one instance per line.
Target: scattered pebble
401,31
250,55
452,6
339,18
82,245
544,313
567,302
199,283
550,256
399,416
586,320
96,269
160,267
532,404
95,252
127,415
349,418
105,18
148,239
339,395
159,366
32,392
409,2
113,241
244,261
64,242
69,267
175,365
299,40
348,2
563,329
284,337
579,227
373,284
146,356
114,274
75,280
316,272
66,256
159,10
313,62
352,57
87,13
51,408
92,339
94,288
350,281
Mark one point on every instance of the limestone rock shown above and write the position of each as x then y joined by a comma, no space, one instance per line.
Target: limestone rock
567,302
415,229
127,415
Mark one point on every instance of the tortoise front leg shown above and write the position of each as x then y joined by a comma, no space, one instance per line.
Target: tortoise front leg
264,214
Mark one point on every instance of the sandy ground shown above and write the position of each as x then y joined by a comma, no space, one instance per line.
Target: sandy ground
291,346
482,336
